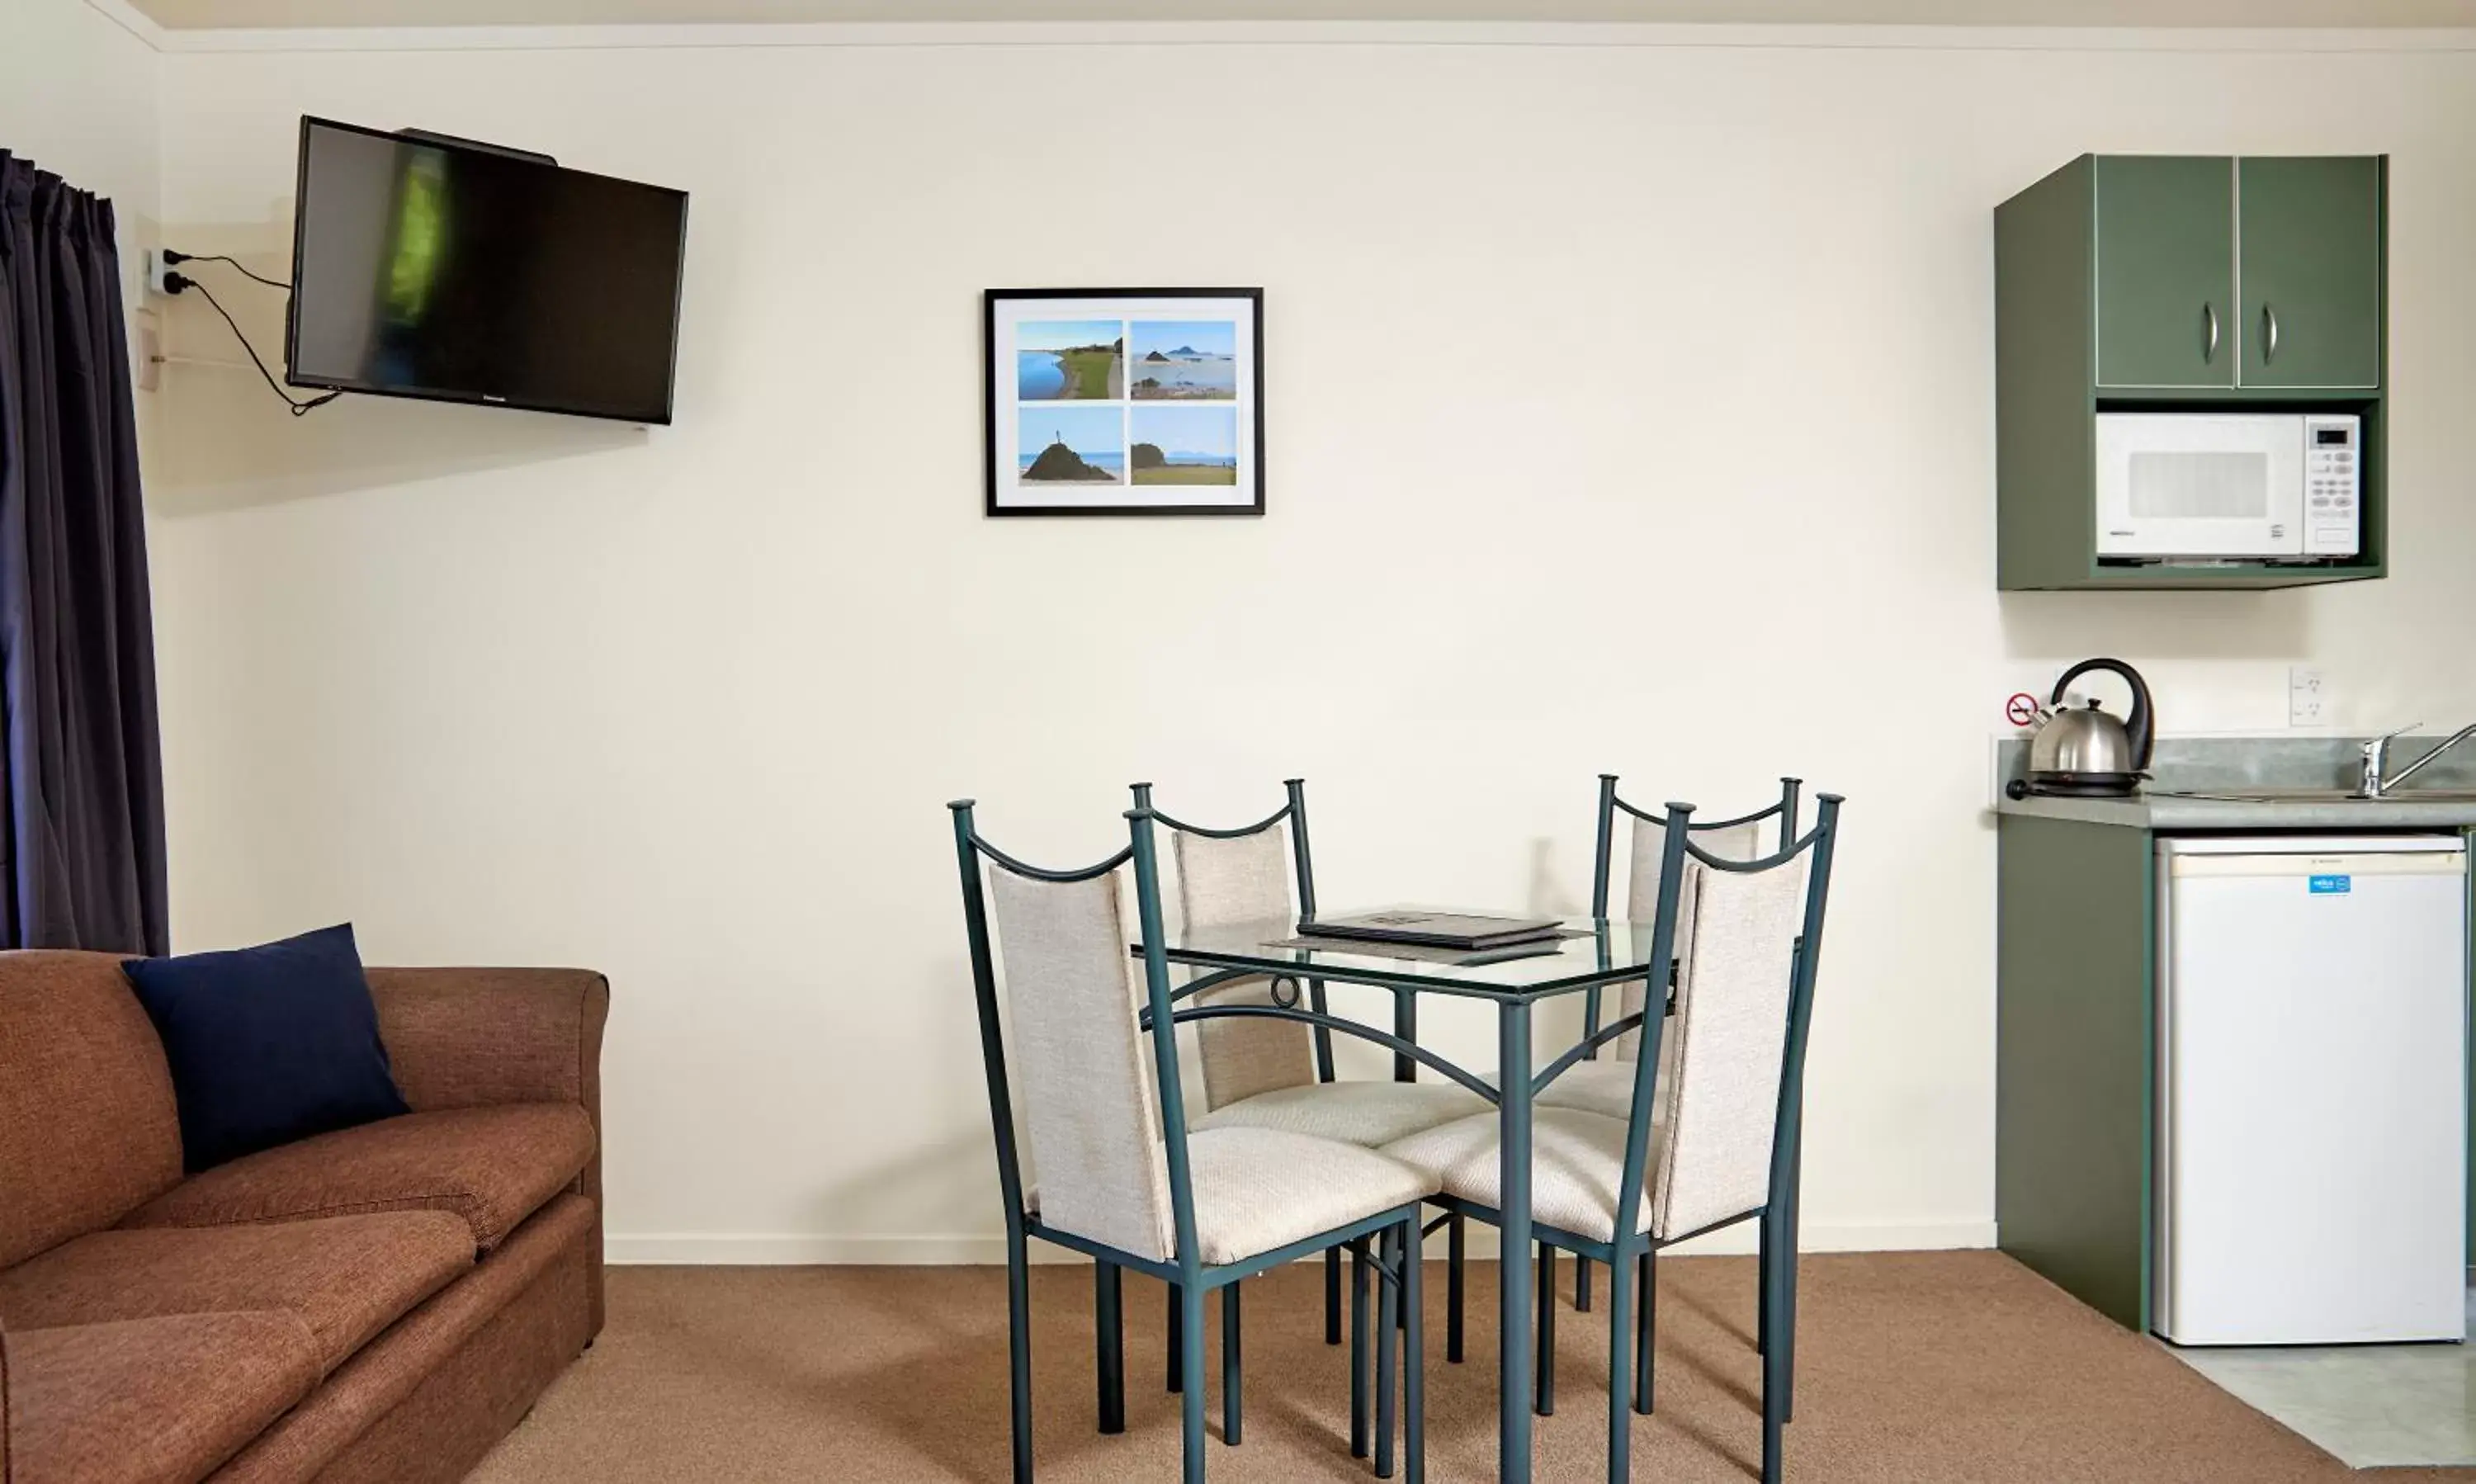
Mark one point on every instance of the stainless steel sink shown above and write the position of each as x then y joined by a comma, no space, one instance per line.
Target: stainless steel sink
2323,795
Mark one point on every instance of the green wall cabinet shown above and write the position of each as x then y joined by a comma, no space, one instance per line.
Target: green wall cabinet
2172,282
2165,245
2309,249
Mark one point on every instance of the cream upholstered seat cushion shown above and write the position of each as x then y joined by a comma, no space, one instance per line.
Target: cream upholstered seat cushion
1576,1162
1602,1087
1606,1086
1257,1189
1367,1113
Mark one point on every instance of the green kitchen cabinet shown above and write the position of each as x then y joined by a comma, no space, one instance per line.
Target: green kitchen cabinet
2167,283
2310,245
2076,1056
2074,1064
2166,245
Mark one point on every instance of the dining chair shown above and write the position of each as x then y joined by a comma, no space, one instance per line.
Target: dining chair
1122,1178
1606,1086
1704,1148
1271,1073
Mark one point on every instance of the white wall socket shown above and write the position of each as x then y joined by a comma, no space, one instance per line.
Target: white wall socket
2309,701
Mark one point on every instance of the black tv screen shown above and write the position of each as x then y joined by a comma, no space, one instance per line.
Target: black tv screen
430,268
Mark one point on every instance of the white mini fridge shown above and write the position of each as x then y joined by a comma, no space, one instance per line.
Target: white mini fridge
2310,1166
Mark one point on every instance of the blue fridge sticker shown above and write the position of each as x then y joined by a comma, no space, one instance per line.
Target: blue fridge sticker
2332,885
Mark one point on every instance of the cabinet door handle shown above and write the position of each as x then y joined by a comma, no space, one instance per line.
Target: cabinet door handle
2268,334
2209,331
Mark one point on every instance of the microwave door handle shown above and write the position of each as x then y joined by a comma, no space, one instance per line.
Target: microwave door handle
2209,332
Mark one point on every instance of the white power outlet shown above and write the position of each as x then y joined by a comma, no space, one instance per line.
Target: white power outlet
2308,699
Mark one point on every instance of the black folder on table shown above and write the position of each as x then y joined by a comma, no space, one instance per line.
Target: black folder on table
1428,928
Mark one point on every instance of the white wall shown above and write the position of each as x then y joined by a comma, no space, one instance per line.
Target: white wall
1662,371
77,95
78,88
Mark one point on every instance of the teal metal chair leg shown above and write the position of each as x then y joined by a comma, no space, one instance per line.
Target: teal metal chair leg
1774,1354
1358,1341
1019,1352
1645,1329
1333,1295
1545,1386
1620,1277
1793,1198
1177,1347
1581,1285
1414,1356
1229,1364
1109,1334
1388,1341
1456,1245
1763,1299
1191,1399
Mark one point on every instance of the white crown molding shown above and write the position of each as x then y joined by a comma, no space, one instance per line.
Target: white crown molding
801,1250
992,33
128,17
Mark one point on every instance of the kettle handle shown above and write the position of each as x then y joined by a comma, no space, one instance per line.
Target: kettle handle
2138,724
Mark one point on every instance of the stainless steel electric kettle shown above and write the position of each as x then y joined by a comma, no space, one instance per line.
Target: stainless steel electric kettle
2087,752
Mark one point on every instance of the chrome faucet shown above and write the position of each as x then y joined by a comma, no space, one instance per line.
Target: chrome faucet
2378,780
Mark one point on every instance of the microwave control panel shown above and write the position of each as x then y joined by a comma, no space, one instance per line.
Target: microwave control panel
2333,483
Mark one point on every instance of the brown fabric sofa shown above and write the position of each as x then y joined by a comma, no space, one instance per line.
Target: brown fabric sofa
380,1303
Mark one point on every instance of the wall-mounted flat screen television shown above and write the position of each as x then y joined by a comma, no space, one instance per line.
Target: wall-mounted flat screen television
437,268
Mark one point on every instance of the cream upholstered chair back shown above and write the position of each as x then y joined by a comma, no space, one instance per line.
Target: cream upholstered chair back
1241,879
1735,842
1718,1108
1082,1060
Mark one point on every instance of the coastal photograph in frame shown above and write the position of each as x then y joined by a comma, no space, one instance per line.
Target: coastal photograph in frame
1124,401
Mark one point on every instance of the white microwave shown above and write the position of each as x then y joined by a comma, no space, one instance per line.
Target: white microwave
2207,486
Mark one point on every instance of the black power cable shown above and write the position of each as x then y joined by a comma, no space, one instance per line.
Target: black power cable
171,256
175,282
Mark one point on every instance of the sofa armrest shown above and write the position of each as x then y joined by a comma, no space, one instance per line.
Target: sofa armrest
461,1038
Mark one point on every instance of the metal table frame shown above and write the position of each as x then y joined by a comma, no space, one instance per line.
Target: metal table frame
1613,952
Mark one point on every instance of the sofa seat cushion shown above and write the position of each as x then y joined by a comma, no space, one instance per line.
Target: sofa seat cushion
491,1166
346,1276
160,1400
500,1331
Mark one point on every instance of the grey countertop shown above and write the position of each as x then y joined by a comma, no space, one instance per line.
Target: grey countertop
2184,766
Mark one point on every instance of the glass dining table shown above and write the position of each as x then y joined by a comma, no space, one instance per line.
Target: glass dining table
1592,953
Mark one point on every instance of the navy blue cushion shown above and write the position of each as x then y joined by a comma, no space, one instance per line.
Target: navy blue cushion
268,1045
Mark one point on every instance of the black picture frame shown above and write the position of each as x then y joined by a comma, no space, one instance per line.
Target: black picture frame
1002,492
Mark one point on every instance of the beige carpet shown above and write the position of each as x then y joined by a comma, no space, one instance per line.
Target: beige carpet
1912,1368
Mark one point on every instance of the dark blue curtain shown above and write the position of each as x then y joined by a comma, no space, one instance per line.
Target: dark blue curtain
82,774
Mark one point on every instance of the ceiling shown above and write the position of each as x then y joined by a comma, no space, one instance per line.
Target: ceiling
191,13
